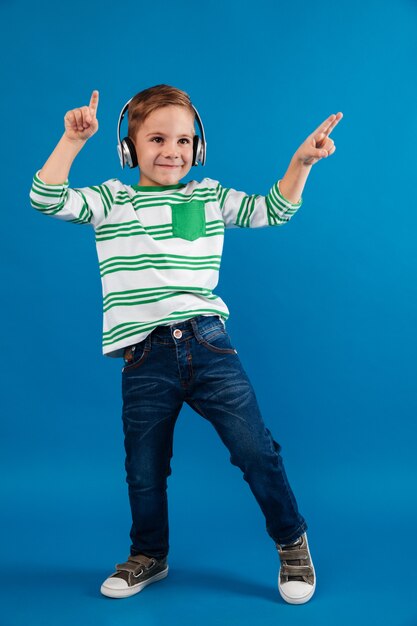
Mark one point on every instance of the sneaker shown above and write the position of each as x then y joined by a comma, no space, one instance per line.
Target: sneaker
132,576
296,577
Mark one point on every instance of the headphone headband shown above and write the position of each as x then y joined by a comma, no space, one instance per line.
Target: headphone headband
126,149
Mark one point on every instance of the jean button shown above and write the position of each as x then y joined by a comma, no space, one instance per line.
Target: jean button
177,333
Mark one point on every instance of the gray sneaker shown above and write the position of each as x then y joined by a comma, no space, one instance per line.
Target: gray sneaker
133,575
296,578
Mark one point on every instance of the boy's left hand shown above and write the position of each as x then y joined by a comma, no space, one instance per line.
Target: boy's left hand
318,145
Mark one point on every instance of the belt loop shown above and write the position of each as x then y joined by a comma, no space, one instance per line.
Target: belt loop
148,342
194,324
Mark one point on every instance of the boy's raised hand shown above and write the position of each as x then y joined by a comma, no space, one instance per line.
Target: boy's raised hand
318,145
82,123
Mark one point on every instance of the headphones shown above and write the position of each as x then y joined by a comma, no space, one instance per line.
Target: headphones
127,152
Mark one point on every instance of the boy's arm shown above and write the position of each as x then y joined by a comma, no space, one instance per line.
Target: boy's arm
285,197
80,125
293,183
50,194
317,146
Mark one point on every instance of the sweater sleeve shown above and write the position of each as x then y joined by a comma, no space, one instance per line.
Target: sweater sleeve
254,211
87,205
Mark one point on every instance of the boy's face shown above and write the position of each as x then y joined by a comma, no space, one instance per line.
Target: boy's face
164,146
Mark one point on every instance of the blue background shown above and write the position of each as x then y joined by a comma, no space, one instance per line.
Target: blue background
328,336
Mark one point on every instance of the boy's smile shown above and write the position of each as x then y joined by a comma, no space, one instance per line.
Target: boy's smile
164,146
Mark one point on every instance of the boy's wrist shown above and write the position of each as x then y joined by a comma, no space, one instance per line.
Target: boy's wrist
77,143
297,163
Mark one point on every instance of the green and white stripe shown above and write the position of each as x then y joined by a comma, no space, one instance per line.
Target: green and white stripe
132,297
158,261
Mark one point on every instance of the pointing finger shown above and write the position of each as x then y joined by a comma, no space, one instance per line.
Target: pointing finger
327,126
335,122
324,125
94,101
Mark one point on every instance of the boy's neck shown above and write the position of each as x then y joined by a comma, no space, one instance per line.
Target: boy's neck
157,187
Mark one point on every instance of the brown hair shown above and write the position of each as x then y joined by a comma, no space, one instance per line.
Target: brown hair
148,100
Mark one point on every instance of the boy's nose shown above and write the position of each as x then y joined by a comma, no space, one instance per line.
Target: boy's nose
170,151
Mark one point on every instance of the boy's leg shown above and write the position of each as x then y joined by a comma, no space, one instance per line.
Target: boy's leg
222,393
151,404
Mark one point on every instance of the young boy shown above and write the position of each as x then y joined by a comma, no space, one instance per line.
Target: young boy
159,245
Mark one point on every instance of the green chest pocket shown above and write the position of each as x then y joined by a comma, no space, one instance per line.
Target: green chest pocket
189,220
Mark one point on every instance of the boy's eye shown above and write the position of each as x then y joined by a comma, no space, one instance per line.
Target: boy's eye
183,140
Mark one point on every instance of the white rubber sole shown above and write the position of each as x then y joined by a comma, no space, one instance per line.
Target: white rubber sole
295,599
110,592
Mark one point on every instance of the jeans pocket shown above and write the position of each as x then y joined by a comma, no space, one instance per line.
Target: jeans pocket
189,220
134,356
218,340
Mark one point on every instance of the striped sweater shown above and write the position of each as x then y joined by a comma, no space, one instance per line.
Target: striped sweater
159,248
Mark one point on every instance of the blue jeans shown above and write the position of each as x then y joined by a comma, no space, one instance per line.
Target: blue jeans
194,362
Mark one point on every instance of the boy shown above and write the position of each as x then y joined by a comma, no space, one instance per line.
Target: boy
159,245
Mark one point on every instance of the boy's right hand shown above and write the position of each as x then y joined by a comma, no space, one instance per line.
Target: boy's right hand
82,123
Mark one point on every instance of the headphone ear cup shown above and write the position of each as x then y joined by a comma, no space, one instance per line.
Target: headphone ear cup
129,152
196,149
